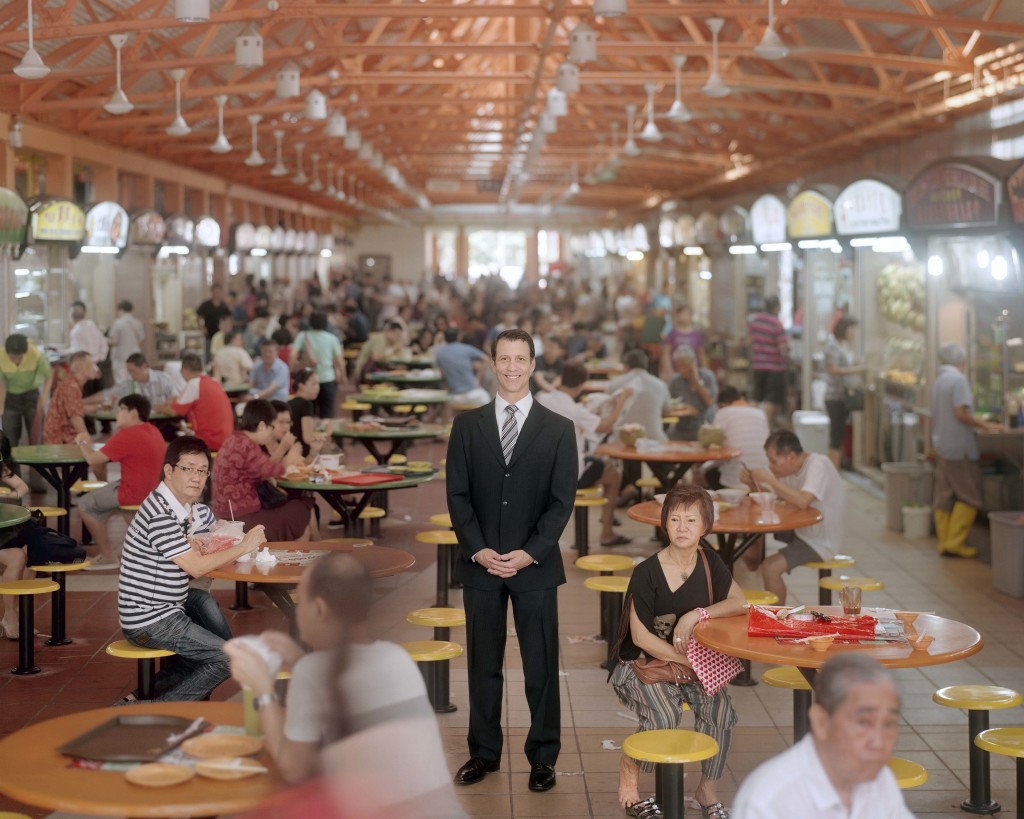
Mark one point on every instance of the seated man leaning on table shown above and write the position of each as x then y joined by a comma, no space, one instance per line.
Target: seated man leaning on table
804,479
159,387
65,417
204,403
839,769
356,712
156,605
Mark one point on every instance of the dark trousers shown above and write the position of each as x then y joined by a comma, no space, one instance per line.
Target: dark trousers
19,413
325,398
536,619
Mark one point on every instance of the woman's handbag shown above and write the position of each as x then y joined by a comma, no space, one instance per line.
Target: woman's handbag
271,495
713,669
650,671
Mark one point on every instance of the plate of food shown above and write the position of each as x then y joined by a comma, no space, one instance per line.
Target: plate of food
211,746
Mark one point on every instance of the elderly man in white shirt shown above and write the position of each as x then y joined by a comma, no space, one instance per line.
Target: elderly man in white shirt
839,770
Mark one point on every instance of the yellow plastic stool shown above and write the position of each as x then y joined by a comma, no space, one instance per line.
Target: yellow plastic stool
81,486
58,573
589,492
908,774
789,676
397,460
442,620
433,656
582,504
441,519
446,542
647,483
356,407
605,564
978,700
1006,742
669,750
146,664
372,514
50,511
24,591
825,568
836,582
760,597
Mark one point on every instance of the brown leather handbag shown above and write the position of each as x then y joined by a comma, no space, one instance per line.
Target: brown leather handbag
648,669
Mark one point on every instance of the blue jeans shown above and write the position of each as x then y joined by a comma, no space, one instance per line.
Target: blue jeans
196,636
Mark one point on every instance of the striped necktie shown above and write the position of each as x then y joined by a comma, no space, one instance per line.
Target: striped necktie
509,432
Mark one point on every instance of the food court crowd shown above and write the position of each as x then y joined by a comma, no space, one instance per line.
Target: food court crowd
544,392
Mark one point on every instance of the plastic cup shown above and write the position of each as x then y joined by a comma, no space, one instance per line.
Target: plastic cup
849,596
253,723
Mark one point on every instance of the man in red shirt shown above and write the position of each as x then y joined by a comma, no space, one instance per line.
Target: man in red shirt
204,403
139,447
65,417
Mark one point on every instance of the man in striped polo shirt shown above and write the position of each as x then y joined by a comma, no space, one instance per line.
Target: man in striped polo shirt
768,348
156,605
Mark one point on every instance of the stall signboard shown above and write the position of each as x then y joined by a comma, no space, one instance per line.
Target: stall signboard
289,240
13,217
57,220
326,242
245,237
312,241
952,195
707,228
686,230
106,225
666,232
809,216
180,231
867,207
1015,192
207,232
734,224
147,228
262,239
639,237
768,220
277,239
300,241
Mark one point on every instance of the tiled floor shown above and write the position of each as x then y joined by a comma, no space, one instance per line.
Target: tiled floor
594,723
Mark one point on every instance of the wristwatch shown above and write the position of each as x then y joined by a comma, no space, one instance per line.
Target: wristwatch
263,700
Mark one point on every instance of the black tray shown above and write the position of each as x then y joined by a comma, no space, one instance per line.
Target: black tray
128,738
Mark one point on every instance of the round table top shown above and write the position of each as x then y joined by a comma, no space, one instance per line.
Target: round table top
411,361
48,454
953,641
11,514
413,396
380,561
742,518
236,389
33,772
413,377
601,366
345,430
111,415
405,483
671,452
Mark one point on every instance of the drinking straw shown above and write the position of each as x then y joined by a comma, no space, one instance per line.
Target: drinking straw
231,510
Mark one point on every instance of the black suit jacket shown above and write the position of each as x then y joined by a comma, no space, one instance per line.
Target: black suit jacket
524,505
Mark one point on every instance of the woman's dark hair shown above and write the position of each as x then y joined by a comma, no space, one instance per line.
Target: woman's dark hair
302,376
318,320
186,445
843,325
7,464
683,495
256,412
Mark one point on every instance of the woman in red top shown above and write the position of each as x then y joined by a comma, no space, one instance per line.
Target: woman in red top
242,463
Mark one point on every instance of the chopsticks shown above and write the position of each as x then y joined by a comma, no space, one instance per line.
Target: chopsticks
757,488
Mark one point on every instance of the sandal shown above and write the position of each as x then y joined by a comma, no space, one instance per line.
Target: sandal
715,811
645,809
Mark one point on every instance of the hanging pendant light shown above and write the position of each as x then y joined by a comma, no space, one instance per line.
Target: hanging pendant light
610,8
316,105
771,46
286,82
31,66
300,177
316,185
255,159
558,103
567,78
330,190
352,140
583,44
221,144
630,147
337,125
650,132
548,124
178,126
365,152
341,185
679,112
574,186
279,168
249,48
192,11
118,103
715,86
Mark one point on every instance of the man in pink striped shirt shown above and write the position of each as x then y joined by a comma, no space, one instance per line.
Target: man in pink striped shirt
768,348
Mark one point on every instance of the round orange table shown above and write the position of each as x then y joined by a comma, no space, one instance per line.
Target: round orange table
740,527
34,773
671,461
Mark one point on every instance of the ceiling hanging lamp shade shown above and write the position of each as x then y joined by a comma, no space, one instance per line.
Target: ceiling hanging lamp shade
31,66
558,103
178,126
249,48
567,78
118,103
341,185
316,185
316,105
192,11
651,133
574,185
548,123
221,144
352,140
279,168
583,44
365,152
300,177
679,112
610,8
254,160
337,125
771,46
286,81
377,160
715,86
630,147
330,190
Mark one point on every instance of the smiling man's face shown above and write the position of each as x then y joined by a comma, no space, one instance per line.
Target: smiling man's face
513,365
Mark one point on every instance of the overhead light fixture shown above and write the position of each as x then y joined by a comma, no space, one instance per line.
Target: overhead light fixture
650,131
255,159
221,144
192,11
742,250
548,124
178,127
771,46
630,147
337,125
715,86
679,112
105,249
316,185
300,177
352,140
249,48
936,266
279,168
330,190
574,185
118,103
583,44
14,136
365,152
558,103
31,66
609,8
341,185
286,81
316,105
567,77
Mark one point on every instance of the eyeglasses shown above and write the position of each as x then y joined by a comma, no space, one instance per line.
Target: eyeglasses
190,470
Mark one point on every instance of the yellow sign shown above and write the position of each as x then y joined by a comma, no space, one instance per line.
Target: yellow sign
58,221
809,216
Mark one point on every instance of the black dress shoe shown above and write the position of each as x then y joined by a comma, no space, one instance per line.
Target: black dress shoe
542,777
475,770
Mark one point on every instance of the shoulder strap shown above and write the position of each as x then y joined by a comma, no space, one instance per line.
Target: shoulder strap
707,575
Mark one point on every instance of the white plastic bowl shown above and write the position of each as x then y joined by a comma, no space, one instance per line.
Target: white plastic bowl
732,495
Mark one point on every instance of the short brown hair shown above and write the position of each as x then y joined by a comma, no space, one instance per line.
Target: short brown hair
513,334
687,494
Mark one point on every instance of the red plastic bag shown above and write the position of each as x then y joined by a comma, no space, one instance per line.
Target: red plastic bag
761,622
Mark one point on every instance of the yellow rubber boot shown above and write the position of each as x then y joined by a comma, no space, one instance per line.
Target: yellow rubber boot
960,520
941,526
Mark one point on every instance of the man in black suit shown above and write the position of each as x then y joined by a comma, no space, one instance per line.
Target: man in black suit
512,470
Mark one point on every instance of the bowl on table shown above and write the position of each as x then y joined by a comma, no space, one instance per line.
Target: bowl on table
763,499
630,435
732,494
821,643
